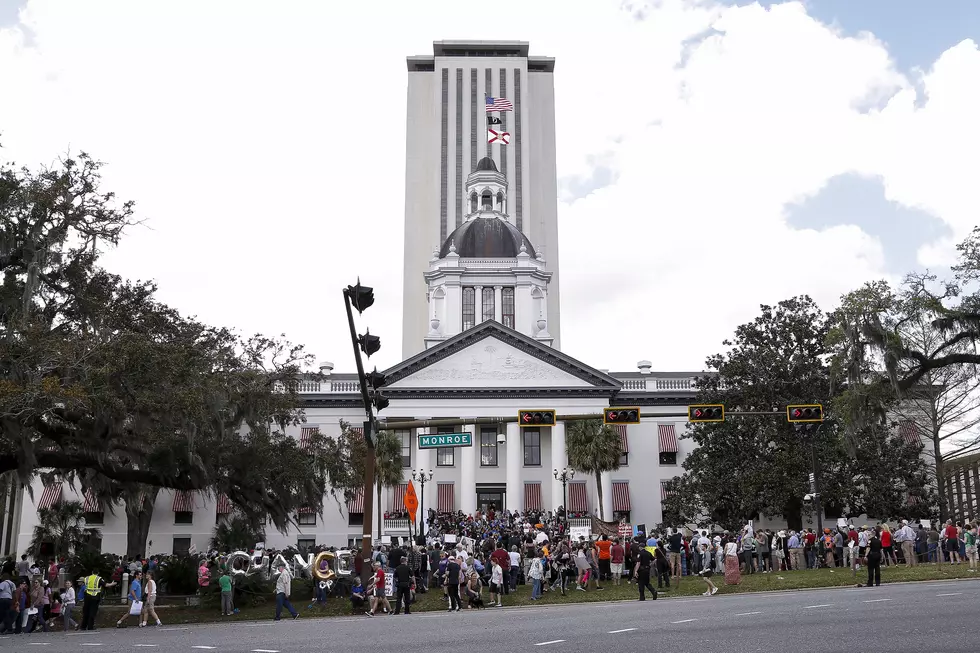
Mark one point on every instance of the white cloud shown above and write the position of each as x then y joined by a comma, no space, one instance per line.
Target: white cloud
265,147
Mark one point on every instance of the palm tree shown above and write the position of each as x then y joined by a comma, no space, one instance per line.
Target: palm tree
62,525
234,534
593,448
387,466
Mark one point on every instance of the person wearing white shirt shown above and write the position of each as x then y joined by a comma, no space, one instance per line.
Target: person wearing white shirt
67,605
515,568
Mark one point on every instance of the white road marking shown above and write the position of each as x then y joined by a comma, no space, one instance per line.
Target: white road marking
950,594
683,621
745,614
205,647
822,605
876,600
624,630
554,641
39,643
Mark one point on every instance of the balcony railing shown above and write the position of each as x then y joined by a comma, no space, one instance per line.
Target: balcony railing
578,522
651,384
395,526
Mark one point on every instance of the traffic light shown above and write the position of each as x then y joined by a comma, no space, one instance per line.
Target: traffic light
627,415
377,380
536,417
804,413
369,344
361,297
706,413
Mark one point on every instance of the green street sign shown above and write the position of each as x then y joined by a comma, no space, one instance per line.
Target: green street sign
445,440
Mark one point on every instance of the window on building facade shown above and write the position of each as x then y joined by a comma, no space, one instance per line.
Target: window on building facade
620,515
95,518
307,519
355,519
469,308
183,518
532,448
488,447
507,307
405,436
624,459
668,457
306,544
445,457
182,546
488,313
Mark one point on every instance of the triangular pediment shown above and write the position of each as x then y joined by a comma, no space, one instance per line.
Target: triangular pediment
492,356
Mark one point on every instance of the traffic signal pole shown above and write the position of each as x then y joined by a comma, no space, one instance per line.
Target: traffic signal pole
366,539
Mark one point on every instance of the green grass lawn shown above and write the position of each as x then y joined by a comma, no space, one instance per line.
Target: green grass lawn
688,586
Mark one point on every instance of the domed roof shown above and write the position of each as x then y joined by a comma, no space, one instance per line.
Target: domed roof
487,238
486,163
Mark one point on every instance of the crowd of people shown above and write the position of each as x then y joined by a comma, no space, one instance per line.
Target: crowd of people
476,561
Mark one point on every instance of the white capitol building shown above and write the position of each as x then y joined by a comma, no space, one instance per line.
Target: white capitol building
481,333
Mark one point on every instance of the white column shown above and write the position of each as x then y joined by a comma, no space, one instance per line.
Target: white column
606,479
423,461
497,312
515,498
559,460
467,474
478,302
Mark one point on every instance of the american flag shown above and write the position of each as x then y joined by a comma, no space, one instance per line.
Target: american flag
498,104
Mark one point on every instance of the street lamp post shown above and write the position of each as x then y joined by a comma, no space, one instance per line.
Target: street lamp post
565,475
420,477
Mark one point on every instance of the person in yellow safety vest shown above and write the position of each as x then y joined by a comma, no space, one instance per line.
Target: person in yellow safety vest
94,584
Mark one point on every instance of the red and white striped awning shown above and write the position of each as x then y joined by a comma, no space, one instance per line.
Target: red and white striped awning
224,505
664,491
398,497
306,511
912,499
621,496
92,503
532,496
50,496
909,431
621,428
355,505
578,498
446,497
668,438
183,501
358,429
306,435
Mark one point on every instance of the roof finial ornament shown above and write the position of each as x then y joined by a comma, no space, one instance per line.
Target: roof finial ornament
452,246
523,248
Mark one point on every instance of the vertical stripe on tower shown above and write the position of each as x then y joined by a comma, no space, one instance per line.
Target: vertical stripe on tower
519,181
459,147
474,125
488,79
444,183
503,122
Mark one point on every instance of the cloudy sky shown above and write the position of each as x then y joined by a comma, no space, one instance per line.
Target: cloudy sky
712,155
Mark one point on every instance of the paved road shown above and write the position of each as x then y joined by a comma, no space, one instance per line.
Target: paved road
919,617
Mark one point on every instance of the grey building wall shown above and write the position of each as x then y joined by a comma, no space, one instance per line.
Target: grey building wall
447,136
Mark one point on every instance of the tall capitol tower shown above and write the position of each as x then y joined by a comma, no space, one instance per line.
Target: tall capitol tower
446,138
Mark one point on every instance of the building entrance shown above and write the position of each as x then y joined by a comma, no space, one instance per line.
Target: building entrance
490,497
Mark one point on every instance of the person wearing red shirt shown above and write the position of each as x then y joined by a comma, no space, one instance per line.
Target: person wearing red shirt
617,556
952,534
502,558
809,540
